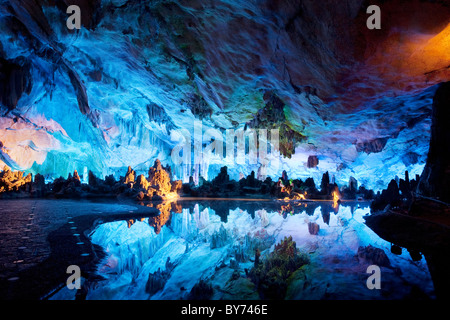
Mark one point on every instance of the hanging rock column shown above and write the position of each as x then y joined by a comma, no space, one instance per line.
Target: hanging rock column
435,179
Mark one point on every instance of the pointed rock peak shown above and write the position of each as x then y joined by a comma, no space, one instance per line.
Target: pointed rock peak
157,164
130,176
76,176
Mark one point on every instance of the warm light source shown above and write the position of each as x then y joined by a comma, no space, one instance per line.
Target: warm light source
408,59
336,199
433,54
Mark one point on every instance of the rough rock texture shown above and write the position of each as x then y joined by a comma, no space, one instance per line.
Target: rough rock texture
373,255
15,80
129,177
219,238
164,217
14,181
39,188
142,182
76,176
202,290
270,276
313,228
312,162
159,178
14,184
161,188
435,179
158,279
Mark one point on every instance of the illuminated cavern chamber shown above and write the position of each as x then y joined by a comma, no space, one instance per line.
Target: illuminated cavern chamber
349,101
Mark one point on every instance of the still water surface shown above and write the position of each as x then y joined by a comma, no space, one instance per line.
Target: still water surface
138,254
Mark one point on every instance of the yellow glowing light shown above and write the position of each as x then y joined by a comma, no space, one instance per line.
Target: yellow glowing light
294,196
336,198
171,196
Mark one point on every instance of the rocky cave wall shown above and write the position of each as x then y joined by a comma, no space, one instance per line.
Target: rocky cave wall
109,96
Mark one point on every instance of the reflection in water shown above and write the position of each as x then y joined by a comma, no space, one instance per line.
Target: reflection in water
165,256
165,208
336,199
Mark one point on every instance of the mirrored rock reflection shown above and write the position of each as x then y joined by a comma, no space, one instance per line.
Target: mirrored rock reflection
211,249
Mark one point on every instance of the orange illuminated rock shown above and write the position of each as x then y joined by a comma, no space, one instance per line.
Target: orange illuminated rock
14,181
141,182
177,185
159,221
159,178
421,57
76,177
130,176
130,222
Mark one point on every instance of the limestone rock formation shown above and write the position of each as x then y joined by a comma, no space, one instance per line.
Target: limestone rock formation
177,185
271,275
314,71
159,178
14,181
222,178
435,179
159,221
39,188
325,184
390,196
157,280
93,180
202,290
159,186
76,177
141,182
353,184
313,228
313,161
129,176
15,80
219,238
373,255
110,180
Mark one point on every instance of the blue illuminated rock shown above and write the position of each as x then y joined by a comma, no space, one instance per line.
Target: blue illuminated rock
113,94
